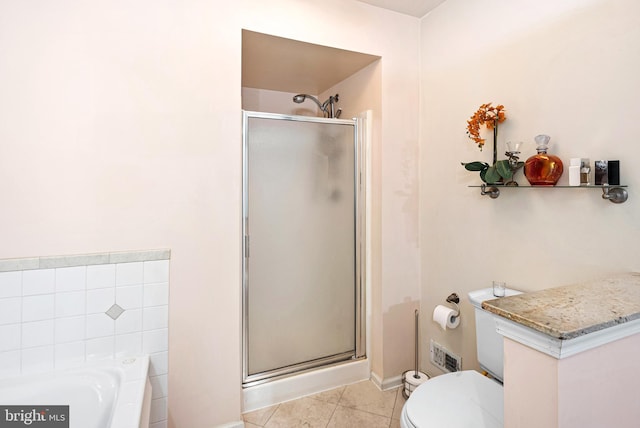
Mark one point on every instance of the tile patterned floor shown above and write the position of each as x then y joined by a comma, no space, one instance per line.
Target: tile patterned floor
360,405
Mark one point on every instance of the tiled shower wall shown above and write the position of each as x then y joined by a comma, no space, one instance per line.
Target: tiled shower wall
58,312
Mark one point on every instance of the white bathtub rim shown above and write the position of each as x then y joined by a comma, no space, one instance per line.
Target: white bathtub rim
133,390
133,376
134,367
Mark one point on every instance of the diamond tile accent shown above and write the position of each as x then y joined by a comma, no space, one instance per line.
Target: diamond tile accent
114,311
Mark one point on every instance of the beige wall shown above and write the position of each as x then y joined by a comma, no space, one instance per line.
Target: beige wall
567,69
121,130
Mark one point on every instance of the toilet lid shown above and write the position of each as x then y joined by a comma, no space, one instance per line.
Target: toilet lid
456,400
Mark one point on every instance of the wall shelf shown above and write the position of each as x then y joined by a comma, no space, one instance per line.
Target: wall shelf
616,194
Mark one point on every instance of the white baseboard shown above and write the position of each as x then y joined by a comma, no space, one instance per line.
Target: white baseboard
386,384
238,424
376,379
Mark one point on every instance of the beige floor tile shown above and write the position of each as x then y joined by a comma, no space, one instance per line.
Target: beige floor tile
250,425
395,423
367,397
330,396
397,408
305,412
259,417
345,417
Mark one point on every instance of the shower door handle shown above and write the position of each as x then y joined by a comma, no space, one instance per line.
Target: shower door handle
245,231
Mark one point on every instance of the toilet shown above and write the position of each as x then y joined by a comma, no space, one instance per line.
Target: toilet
464,399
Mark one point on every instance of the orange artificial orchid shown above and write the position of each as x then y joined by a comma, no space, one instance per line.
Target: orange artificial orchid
488,116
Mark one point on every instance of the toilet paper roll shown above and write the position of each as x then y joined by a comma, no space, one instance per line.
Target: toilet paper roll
412,380
446,317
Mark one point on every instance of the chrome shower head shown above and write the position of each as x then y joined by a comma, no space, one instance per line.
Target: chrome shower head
299,98
327,107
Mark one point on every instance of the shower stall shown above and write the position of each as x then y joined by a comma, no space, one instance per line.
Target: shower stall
303,261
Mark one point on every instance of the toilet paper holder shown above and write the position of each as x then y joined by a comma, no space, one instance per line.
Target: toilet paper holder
454,299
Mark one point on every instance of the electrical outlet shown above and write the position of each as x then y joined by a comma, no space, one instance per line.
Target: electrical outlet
443,358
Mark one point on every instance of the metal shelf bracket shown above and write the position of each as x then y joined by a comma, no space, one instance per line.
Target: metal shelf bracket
617,195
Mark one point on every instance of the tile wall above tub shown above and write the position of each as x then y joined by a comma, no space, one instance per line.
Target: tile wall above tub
58,312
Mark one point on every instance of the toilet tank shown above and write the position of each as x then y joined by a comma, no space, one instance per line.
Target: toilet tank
488,342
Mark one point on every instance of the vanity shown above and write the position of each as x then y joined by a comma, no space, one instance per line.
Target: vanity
572,355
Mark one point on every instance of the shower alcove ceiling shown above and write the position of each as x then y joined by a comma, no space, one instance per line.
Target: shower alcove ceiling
285,65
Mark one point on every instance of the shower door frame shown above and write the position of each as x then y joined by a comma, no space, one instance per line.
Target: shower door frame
359,351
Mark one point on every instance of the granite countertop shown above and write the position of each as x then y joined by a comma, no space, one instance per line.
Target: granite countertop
574,310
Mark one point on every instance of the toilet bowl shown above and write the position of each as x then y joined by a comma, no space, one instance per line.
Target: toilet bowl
464,399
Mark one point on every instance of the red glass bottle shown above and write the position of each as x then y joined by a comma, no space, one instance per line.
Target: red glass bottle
543,169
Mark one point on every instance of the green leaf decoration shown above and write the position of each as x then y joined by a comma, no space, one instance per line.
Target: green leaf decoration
492,175
503,169
483,173
475,166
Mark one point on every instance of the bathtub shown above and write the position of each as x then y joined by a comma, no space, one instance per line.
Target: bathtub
101,394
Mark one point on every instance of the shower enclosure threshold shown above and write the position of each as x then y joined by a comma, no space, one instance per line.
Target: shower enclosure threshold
303,384
294,369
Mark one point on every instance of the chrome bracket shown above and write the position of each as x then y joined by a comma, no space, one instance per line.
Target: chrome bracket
454,299
617,195
493,192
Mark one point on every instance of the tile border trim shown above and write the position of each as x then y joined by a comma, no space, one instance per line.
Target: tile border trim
52,262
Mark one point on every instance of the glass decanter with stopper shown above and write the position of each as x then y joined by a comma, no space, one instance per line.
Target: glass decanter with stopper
543,169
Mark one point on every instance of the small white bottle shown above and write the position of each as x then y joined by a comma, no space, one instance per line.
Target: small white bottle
574,172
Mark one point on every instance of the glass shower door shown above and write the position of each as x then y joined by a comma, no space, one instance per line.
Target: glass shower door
300,251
